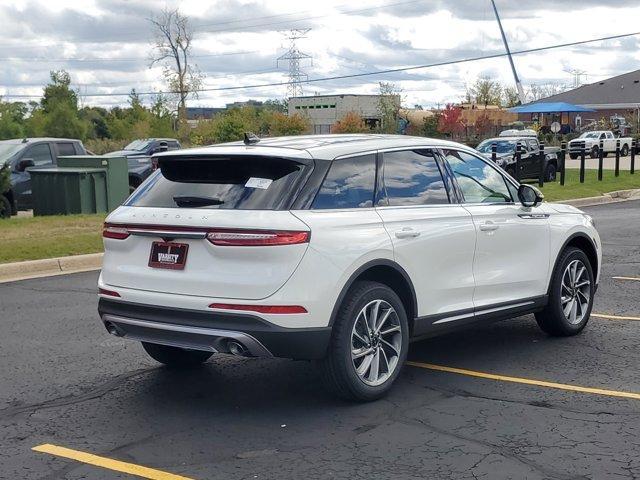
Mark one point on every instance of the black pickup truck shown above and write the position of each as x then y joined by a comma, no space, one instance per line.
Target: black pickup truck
529,166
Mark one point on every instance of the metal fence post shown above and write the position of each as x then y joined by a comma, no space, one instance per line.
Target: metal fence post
634,145
600,159
494,151
582,153
516,173
542,165
563,154
617,157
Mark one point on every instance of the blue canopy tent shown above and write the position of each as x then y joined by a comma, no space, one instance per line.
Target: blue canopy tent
551,107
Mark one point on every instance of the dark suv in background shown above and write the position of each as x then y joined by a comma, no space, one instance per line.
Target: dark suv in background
138,154
21,154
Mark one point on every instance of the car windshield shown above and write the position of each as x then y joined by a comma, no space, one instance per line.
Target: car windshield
138,145
590,135
502,146
7,150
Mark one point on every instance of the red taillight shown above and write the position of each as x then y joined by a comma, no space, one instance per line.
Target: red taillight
109,293
274,309
254,238
115,231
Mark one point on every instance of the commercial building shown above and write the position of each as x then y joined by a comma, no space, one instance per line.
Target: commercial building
325,110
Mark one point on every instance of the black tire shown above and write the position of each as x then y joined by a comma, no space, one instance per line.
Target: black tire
573,156
5,207
595,152
550,173
511,171
625,150
552,319
174,356
605,154
337,369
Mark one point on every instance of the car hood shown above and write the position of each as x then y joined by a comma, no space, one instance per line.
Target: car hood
562,208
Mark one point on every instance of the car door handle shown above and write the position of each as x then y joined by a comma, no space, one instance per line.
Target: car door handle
407,233
489,227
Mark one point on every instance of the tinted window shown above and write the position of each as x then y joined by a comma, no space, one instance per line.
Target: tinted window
412,178
41,154
66,149
349,184
246,183
478,181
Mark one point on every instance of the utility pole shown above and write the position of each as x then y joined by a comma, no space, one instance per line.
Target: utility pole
294,57
521,95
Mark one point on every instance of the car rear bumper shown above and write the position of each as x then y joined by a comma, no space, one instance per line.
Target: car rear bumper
211,331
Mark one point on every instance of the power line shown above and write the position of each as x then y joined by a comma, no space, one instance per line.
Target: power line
365,74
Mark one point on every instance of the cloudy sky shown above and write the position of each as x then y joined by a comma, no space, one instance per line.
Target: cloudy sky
105,44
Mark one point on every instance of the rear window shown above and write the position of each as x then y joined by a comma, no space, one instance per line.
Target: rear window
66,149
244,183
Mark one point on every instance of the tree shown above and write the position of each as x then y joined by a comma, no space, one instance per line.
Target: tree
483,124
281,124
429,127
389,107
172,50
450,122
350,123
484,91
12,119
510,97
538,91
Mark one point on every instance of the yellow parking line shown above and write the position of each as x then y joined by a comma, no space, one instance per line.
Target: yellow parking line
107,463
526,381
636,279
614,317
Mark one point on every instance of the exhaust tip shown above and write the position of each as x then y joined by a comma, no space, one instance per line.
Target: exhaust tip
237,349
112,329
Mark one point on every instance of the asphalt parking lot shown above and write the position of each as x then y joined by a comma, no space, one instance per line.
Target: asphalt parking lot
501,401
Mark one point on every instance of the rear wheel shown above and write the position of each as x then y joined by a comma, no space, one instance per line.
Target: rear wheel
175,356
625,150
369,343
571,295
595,152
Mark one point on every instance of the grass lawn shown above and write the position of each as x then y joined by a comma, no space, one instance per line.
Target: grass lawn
46,237
591,186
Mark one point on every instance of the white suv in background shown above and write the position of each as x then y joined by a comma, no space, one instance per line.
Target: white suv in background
340,249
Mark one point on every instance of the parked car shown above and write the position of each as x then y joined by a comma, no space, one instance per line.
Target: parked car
339,249
22,154
138,154
529,166
592,144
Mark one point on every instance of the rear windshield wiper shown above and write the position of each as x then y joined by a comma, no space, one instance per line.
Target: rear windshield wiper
197,201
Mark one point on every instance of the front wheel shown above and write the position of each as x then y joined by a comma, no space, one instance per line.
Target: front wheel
175,356
550,173
570,297
368,345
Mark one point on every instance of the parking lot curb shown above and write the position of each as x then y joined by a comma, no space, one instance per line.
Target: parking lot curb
611,197
10,272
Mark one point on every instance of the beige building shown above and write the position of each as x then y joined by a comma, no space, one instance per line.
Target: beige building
325,110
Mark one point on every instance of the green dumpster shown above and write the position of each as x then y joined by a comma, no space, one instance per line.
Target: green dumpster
80,184
63,191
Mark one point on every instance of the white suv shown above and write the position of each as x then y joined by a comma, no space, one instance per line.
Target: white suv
340,249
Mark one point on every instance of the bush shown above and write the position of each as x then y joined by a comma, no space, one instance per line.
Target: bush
350,123
105,145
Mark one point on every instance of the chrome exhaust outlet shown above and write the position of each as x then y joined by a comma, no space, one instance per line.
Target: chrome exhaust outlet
237,349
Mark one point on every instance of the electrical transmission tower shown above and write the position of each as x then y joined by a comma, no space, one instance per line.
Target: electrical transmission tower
577,76
294,57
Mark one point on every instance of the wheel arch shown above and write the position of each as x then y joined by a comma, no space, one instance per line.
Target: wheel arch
388,273
583,242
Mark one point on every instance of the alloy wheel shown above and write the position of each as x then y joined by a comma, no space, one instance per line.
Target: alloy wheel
376,342
575,292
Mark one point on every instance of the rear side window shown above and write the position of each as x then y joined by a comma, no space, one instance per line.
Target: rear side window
66,149
40,154
412,178
243,183
348,184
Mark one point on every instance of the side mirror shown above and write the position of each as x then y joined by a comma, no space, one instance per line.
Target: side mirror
24,164
529,195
